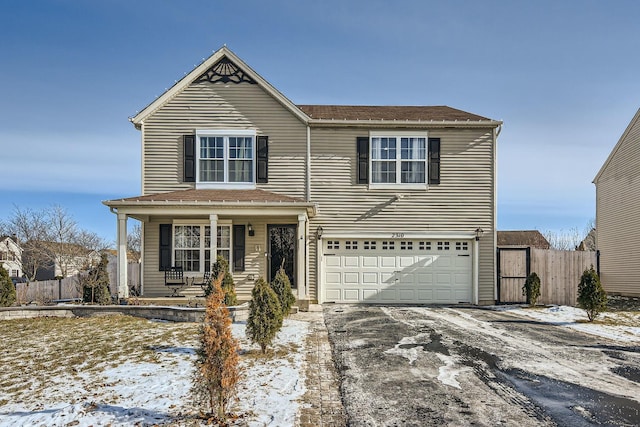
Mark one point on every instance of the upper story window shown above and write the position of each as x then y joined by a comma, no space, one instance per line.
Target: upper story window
395,158
400,160
226,158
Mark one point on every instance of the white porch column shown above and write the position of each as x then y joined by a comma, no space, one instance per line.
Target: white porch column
301,258
476,270
213,219
123,289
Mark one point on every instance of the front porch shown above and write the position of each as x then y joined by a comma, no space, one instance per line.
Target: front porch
255,231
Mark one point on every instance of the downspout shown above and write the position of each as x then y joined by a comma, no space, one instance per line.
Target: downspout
307,189
496,133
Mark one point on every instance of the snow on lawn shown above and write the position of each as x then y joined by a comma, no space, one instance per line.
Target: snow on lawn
145,393
619,326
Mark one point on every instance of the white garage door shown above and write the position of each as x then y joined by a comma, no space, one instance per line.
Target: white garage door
397,271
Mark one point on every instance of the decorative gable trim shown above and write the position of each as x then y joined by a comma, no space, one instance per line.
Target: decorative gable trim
225,71
202,69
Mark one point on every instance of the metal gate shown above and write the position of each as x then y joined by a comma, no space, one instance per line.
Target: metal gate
514,265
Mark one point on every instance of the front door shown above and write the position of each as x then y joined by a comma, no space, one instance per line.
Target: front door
282,250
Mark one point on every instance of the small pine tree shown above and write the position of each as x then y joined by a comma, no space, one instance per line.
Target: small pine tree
216,371
531,289
282,287
221,266
265,315
591,295
96,286
7,289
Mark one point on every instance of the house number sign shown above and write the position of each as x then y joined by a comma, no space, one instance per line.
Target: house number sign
397,235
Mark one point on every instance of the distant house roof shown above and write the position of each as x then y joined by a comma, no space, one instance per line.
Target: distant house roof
524,238
589,242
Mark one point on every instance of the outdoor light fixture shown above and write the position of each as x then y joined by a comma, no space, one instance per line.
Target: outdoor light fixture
479,233
251,230
319,232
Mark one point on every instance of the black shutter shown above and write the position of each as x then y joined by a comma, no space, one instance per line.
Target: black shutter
363,159
165,246
189,158
262,159
434,160
238,248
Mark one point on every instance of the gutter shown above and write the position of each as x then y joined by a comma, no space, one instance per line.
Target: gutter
406,123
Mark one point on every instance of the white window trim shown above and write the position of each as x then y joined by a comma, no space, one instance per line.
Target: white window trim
203,248
226,184
398,184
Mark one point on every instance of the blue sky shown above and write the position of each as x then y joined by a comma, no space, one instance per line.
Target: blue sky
562,75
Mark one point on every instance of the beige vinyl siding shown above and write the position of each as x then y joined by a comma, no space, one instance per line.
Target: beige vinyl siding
219,106
255,249
618,216
461,202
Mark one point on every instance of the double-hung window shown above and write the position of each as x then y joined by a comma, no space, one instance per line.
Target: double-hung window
226,158
192,246
398,159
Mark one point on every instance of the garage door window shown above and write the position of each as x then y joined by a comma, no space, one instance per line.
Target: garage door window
424,246
388,245
351,244
462,246
333,244
443,246
370,244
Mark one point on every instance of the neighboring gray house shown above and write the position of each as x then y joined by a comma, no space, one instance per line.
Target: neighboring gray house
618,214
359,203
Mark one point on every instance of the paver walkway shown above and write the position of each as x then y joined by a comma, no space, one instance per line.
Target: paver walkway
322,402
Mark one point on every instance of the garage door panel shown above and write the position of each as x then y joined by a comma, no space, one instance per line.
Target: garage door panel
406,261
333,278
333,261
370,261
398,271
370,294
387,261
369,277
351,278
351,261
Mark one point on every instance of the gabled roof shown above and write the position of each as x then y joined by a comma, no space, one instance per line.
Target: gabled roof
634,121
530,238
345,115
201,69
413,113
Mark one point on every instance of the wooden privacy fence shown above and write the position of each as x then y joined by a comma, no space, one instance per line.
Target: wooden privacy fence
44,291
559,273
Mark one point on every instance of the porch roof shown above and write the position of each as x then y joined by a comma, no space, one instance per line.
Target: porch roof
213,198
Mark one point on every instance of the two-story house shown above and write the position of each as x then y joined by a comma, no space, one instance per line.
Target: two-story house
11,256
387,204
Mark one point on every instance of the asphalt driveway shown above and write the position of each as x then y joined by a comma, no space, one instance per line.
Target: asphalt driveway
434,366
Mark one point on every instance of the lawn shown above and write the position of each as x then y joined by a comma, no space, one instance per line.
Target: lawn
121,370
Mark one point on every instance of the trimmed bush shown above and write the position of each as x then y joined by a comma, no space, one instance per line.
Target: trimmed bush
216,371
95,288
281,285
531,289
591,295
7,290
265,315
221,266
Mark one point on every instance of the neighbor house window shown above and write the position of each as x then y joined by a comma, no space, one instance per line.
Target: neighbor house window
226,157
192,246
398,159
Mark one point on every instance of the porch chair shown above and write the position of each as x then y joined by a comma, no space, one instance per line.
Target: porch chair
174,279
